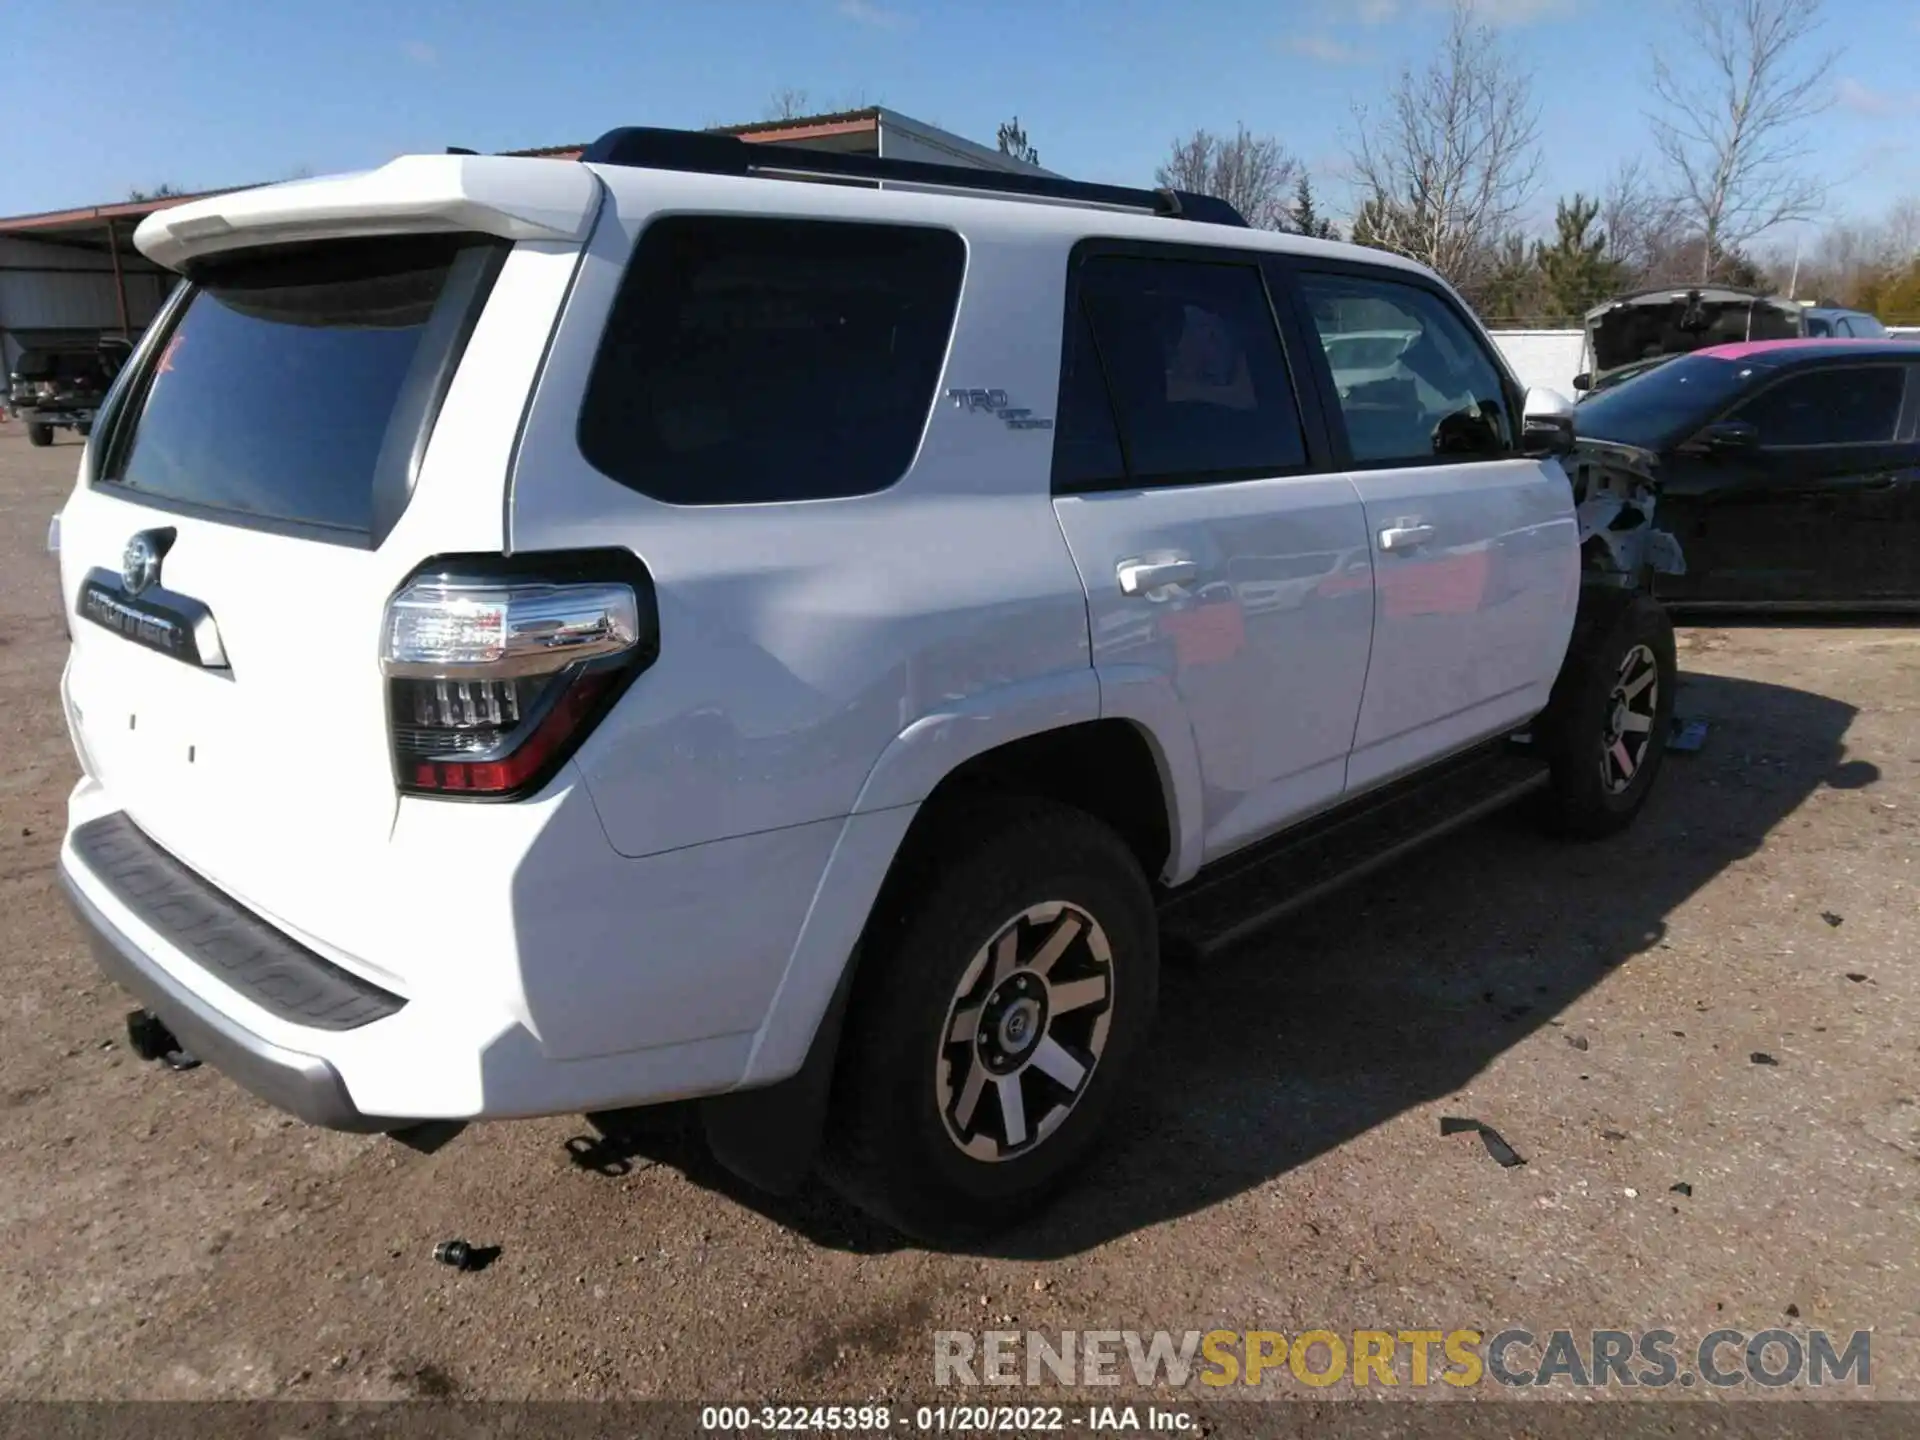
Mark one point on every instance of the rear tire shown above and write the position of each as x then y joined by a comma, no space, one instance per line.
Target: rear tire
993,1021
41,435
1605,730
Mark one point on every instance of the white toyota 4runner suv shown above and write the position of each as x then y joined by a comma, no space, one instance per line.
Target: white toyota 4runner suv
797,631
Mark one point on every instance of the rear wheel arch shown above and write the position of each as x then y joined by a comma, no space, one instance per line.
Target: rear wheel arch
1110,768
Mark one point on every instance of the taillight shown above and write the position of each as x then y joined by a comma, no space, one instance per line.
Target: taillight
497,670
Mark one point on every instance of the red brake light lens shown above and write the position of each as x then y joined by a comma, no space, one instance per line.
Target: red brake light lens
494,679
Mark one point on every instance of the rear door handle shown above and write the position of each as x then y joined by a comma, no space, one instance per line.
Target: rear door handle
1137,577
1407,535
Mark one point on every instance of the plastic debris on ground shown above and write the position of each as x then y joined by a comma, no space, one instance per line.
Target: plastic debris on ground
463,1256
1498,1148
1687,736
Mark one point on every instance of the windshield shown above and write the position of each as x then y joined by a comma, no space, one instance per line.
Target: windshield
1667,403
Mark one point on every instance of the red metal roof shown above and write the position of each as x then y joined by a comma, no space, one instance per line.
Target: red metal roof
86,214
839,122
800,127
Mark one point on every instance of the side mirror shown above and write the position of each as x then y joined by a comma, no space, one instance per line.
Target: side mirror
1546,424
1583,381
1729,437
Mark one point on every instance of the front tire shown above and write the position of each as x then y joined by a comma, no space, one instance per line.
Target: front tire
40,435
1605,730
994,1019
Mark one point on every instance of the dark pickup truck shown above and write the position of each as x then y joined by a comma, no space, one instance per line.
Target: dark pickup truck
61,388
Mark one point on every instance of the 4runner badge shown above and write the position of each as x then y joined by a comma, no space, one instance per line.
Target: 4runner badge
996,403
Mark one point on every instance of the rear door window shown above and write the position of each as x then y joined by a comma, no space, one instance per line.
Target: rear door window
1183,357
754,361
1845,405
291,380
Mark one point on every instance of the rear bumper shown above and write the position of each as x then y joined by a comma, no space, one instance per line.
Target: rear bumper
572,979
302,1085
54,414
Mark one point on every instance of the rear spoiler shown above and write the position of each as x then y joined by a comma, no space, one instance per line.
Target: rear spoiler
513,198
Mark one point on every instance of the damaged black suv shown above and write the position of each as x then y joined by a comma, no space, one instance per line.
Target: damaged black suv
61,387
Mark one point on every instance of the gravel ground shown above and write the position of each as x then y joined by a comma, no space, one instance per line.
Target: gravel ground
1281,1166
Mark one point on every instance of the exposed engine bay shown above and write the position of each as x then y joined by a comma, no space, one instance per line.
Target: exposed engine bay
1614,493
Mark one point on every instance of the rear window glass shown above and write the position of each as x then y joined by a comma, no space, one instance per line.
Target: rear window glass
752,361
60,365
274,394
1194,368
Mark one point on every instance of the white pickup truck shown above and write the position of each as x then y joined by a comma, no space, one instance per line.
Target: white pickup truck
551,636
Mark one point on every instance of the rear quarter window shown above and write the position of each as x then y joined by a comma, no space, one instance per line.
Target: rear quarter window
750,360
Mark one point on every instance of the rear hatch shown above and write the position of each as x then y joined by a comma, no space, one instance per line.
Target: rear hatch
329,401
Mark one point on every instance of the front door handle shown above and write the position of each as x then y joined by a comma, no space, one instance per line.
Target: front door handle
1138,577
1406,535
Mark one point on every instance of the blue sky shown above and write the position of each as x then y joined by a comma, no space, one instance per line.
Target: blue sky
102,97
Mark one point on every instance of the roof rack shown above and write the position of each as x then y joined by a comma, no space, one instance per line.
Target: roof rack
704,153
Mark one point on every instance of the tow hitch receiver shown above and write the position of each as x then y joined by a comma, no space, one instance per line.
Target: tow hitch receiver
150,1039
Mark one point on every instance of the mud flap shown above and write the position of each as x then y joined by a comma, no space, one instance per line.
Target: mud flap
770,1136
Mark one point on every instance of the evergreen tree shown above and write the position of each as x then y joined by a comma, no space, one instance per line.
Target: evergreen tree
1305,218
1576,272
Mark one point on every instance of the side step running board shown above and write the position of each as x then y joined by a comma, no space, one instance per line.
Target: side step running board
1243,893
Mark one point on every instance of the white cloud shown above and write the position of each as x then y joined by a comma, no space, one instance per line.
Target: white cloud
1863,99
865,12
1500,14
420,52
1327,50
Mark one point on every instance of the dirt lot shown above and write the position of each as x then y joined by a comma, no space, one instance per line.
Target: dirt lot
163,1235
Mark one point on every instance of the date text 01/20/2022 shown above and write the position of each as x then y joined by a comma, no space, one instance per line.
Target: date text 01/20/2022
954,1419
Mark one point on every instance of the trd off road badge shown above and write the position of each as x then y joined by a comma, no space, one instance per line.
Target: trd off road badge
996,403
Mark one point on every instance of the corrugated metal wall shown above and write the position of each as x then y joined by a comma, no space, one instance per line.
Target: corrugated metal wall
52,293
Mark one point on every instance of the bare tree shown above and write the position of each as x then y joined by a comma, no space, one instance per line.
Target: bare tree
1012,138
1903,231
1731,125
1645,230
1253,173
1446,171
786,103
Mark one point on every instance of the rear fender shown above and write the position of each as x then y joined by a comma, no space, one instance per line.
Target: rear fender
907,772
768,1130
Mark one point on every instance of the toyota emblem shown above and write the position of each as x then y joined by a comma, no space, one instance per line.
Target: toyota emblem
140,563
